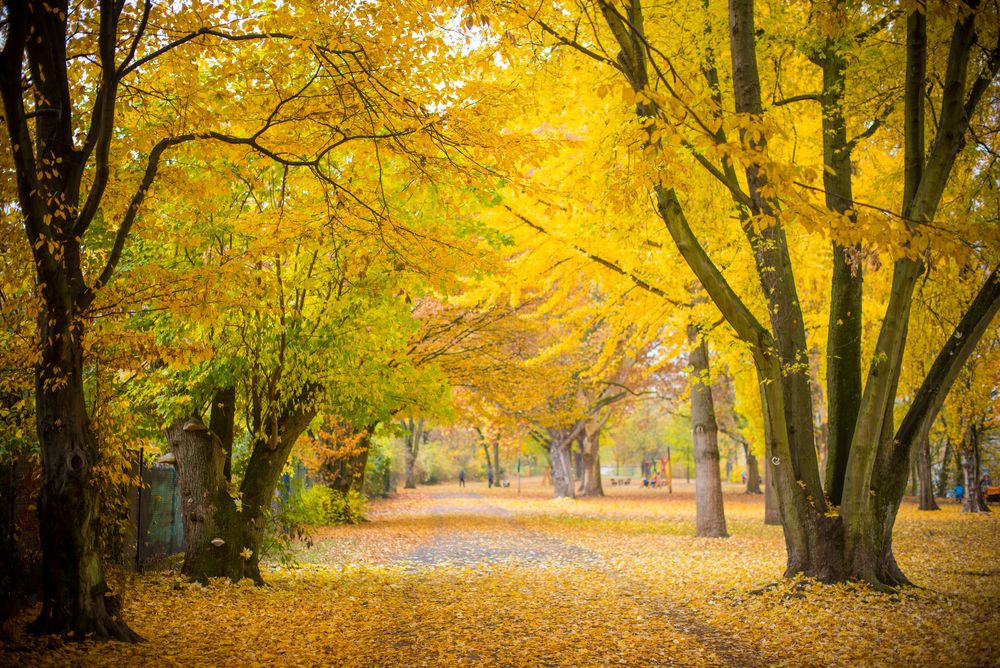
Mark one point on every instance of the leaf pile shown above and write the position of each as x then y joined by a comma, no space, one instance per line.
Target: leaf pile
444,579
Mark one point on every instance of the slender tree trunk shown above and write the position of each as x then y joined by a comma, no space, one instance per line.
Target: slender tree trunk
489,460
496,462
942,482
753,471
710,517
974,502
927,501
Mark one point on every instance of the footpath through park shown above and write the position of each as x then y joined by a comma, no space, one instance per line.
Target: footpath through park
555,580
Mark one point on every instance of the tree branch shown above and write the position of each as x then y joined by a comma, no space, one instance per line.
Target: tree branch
608,264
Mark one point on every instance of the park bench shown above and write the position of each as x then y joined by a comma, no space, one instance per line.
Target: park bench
621,481
992,494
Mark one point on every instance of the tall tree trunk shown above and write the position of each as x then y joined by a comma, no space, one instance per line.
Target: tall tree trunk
943,480
927,501
412,436
75,595
268,456
710,517
843,369
496,461
489,460
212,524
43,121
974,501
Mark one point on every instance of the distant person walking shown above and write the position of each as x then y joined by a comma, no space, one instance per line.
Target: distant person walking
489,477
461,477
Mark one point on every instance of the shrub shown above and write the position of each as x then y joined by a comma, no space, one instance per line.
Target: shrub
322,506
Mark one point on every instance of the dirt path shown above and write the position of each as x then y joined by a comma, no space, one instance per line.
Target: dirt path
499,540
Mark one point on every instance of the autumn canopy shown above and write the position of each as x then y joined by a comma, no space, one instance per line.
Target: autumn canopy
291,255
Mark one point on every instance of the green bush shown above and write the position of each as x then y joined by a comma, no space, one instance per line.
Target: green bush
379,478
322,506
295,517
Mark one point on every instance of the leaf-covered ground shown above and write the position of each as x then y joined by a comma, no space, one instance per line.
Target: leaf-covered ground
445,577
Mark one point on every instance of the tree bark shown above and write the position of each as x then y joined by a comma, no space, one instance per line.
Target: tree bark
75,595
496,461
562,470
413,431
843,369
974,501
591,483
489,460
927,501
753,471
212,523
710,517
222,423
942,483
268,455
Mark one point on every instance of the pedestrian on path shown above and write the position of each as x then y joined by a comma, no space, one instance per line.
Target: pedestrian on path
461,477
489,477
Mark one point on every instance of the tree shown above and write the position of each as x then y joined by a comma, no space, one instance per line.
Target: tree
681,120
95,97
414,436
710,517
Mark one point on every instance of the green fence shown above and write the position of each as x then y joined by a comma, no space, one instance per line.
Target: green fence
160,526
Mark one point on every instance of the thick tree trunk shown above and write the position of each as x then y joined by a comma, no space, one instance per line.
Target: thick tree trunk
212,523
843,369
75,595
267,459
774,269
562,471
927,501
591,483
710,517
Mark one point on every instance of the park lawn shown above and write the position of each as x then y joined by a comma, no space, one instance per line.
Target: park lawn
629,586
